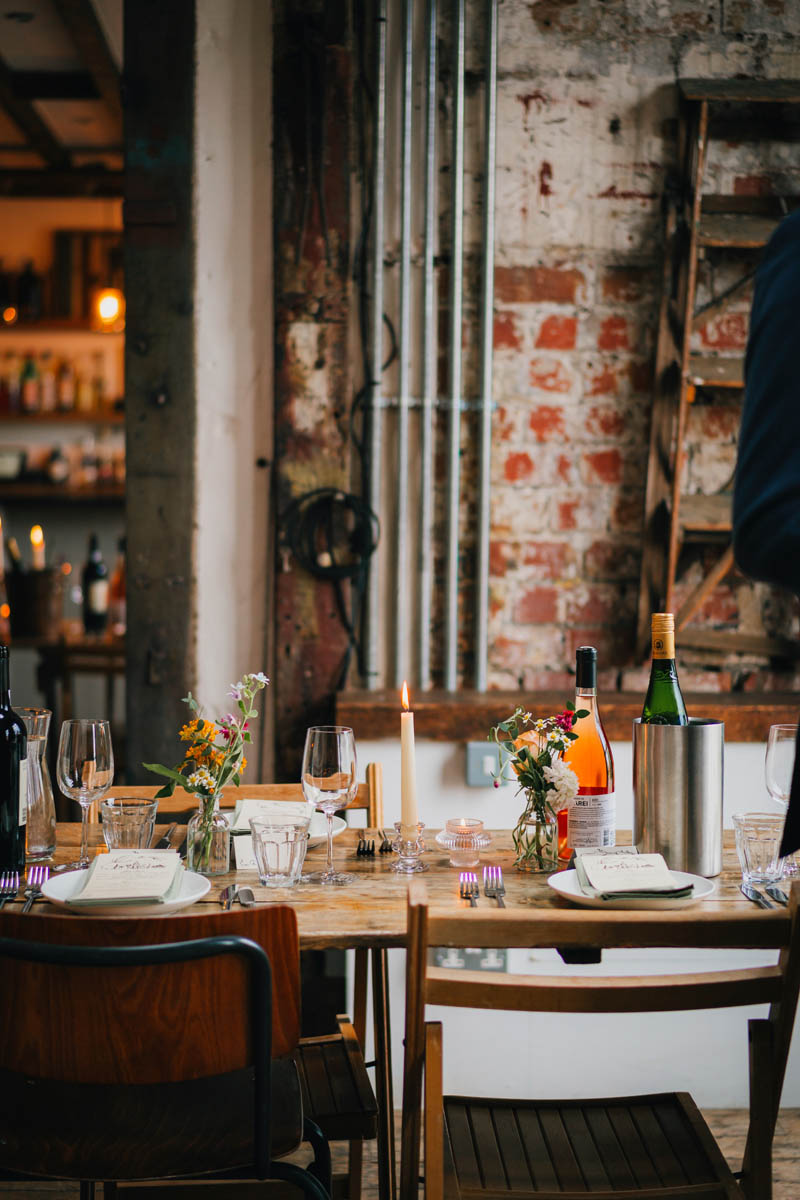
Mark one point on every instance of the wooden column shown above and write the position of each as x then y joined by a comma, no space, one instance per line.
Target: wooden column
161,416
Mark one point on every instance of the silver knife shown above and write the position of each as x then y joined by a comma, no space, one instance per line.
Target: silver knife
755,896
777,893
226,897
163,843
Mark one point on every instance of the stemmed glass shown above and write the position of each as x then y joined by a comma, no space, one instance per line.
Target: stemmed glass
85,770
329,783
778,769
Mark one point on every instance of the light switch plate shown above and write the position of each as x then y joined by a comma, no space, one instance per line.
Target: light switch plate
483,764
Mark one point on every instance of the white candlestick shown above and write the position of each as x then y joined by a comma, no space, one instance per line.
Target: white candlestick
408,777
37,547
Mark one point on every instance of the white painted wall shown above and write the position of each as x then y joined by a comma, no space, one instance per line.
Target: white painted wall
233,299
551,1055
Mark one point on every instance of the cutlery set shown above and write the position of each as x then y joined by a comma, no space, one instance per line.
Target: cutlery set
229,895
493,886
9,885
777,894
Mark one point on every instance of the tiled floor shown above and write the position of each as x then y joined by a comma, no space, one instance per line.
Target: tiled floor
728,1125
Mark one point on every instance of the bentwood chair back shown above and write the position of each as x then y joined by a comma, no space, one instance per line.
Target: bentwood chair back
648,1147
135,1050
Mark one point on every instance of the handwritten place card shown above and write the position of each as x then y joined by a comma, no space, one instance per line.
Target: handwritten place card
131,877
613,876
277,812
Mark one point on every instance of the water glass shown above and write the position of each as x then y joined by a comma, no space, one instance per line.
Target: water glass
41,826
128,822
280,851
758,840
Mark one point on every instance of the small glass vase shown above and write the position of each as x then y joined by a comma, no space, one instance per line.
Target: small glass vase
536,840
208,839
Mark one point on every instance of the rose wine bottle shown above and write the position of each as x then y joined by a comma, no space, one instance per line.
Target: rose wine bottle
13,777
590,819
663,704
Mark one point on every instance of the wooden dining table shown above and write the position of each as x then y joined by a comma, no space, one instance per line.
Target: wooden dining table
371,913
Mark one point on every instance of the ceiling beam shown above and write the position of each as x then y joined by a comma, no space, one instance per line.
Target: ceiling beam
54,85
23,114
75,182
87,33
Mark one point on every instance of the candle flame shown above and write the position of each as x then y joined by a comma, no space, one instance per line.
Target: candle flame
404,696
37,537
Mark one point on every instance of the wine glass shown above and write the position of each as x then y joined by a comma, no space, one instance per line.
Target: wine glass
778,769
85,770
329,783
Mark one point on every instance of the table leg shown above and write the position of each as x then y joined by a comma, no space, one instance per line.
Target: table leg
387,1182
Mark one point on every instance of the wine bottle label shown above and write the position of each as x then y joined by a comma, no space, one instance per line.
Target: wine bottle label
23,791
591,821
98,596
664,644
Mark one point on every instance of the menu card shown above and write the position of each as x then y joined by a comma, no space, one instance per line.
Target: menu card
627,874
131,877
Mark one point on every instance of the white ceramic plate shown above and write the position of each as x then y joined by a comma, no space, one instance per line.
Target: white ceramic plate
318,829
60,889
566,884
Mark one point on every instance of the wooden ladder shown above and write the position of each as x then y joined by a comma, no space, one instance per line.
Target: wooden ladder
702,227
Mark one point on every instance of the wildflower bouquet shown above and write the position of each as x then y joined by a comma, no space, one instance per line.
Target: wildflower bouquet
534,750
214,756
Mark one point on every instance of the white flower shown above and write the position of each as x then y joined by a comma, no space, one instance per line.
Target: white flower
563,781
201,778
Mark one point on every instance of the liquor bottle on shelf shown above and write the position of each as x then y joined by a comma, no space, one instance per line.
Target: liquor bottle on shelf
29,384
118,589
590,820
29,294
663,704
65,386
47,382
11,374
95,588
12,546
13,777
84,388
99,387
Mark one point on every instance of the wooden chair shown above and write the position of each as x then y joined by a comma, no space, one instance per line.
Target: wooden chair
342,1115
135,1050
646,1147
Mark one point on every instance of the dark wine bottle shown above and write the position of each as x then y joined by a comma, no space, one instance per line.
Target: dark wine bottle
663,704
95,587
13,777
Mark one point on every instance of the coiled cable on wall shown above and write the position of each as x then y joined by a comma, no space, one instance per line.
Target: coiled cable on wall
332,535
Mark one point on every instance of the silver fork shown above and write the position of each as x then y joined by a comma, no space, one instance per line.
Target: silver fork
36,877
468,890
493,885
9,886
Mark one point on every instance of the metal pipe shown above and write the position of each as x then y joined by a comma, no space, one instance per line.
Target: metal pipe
404,366
487,340
376,342
428,363
456,283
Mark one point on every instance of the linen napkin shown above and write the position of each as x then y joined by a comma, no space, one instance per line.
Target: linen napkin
627,875
131,877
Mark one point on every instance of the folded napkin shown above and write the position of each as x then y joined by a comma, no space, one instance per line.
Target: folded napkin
626,875
131,877
273,812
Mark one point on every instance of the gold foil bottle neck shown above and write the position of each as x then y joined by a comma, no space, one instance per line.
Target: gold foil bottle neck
662,626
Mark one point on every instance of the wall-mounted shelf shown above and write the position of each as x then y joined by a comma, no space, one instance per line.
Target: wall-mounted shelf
108,416
59,325
43,493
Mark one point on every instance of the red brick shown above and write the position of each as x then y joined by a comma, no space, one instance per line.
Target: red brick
557,333
728,332
602,382
603,420
565,468
603,466
613,334
627,515
753,185
627,284
501,557
589,606
553,557
538,285
518,467
719,421
508,653
606,559
640,374
546,422
505,332
705,681
548,681
567,514
721,607
550,375
538,605
504,430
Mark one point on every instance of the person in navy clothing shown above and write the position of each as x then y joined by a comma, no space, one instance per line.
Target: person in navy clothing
766,498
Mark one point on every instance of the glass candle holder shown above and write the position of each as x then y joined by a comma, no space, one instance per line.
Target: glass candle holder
464,838
409,850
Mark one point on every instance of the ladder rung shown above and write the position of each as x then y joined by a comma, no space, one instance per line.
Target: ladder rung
769,91
739,230
705,514
712,371
695,638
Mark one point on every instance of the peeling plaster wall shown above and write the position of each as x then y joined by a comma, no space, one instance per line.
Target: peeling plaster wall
234,343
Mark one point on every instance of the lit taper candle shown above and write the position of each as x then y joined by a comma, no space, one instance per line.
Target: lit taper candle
37,546
408,771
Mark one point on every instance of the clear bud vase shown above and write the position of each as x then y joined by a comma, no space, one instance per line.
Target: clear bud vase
208,839
535,838
40,834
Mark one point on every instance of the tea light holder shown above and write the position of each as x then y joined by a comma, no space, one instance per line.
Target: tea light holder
409,851
464,838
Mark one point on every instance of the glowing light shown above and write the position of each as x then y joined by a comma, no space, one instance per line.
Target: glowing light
404,696
109,308
5,611
10,315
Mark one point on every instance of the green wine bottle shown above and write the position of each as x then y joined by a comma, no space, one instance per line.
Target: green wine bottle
663,704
